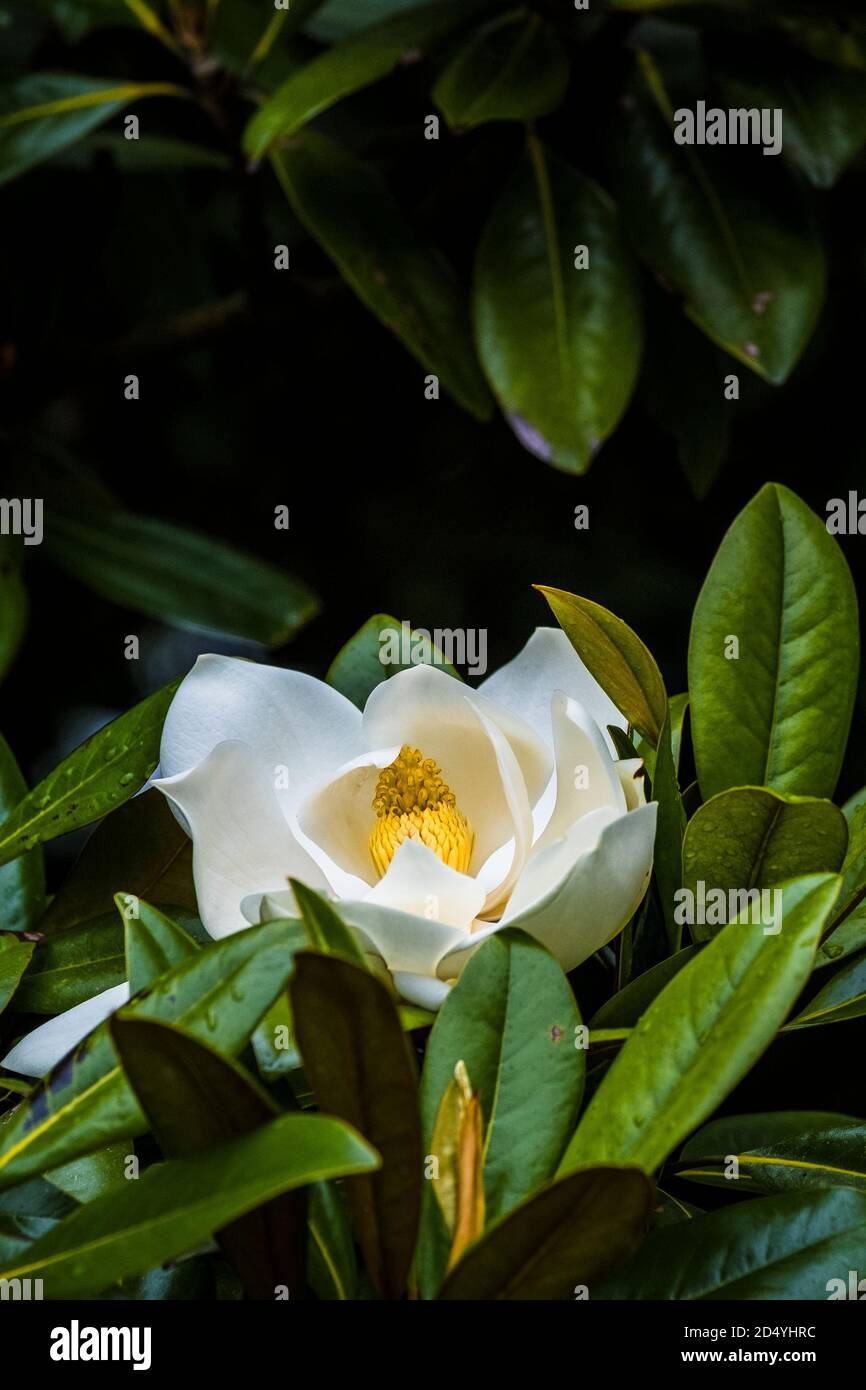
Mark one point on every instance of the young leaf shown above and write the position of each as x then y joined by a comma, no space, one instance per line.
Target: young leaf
615,656
775,709
559,342
702,1033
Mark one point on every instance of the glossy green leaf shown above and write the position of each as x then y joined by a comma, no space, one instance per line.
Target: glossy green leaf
42,113
153,943
14,606
627,1006
569,1234
94,1174
219,995
332,1267
175,1205
615,656
361,1069
73,966
512,1020
103,772
180,576
823,109
670,827
512,69
843,997
778,1153
327,932
194,1099
702,1033
14,959
22,883
361,60
777,715
358,666
750,270
750,838
560,345
407,284
132,849
784,1247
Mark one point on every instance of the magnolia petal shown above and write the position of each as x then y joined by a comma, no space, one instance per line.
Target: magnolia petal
293,721
549,662
405,942
633,782
428,710
339,817
520,812
422,990
47,1045
241,840
586,775
574,896
419,883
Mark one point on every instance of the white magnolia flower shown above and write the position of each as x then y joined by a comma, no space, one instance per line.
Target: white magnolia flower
435,817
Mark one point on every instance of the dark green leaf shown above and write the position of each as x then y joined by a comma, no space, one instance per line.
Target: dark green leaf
560,345
73,966
14,959
626,1007
358,666
327,932
22,884
153,943
779,1152
569,1234
843,998
348,208
512,69
360,1067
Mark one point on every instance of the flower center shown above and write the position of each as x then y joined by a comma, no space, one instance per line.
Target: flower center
412,802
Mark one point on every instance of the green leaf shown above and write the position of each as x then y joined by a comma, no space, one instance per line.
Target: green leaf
778,1153
361,1069
842,998
559,345
180,576
332,1270
616,657
784,1247
131,849
153,943
749,838
626,1007
777,715
824,110
22,884
218,995
349,210
512,69
73,966
702,1033
668,849
175,1205
749,269
103,772
14,959
14,607
327,932
43,113
571,1233
512,1020
194,1099
358,666
361,60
